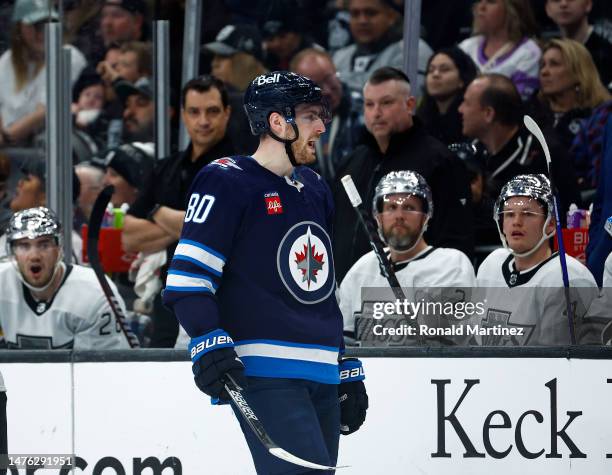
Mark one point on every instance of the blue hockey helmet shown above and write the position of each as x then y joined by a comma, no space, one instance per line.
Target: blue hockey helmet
281,92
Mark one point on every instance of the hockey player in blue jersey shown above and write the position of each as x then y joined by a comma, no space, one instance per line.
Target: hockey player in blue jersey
252,281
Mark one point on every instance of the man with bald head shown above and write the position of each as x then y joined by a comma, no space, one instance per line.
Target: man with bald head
398,141
492,113
341,136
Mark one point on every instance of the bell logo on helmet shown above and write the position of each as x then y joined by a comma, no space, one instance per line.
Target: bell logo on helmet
263,79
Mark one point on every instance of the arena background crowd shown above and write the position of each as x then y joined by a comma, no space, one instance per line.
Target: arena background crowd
547,58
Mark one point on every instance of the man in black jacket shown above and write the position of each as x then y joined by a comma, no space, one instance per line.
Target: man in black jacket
397,141
154,222
492,113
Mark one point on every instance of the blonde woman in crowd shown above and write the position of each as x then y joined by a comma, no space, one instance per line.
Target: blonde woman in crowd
503,44
22,73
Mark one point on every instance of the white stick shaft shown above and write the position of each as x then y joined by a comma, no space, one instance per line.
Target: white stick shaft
351,190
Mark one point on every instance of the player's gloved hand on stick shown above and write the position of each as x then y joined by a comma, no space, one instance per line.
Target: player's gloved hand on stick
352,395
213,356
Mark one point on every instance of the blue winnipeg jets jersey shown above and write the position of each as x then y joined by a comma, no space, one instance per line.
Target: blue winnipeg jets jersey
255,260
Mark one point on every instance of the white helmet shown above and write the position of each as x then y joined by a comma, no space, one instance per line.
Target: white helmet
33,223
405,182
532,186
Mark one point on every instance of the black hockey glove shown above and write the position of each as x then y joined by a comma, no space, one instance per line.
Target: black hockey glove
213,356
352,395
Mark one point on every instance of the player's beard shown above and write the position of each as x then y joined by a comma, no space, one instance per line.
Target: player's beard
401,241
303,153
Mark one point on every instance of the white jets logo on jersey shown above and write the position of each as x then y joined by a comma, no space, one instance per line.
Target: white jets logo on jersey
305,263
226,163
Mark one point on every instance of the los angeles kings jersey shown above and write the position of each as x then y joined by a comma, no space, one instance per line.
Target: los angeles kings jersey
532,303
419,277
78,316
255,260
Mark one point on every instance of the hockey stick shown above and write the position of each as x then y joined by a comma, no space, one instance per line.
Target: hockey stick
535,130
235,392
93,234
375,242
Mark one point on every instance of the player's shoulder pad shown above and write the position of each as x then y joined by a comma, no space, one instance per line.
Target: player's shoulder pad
450,254
223,171
578,271
493,261
84,279
228,164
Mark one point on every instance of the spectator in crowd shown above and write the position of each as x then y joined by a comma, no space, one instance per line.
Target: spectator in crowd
342,135
502,42
449,72
377,30
572,18
398,141
128,168
237,56
600,240
521,285
237,61
492,113
88,106
22,73
401,208
107,68
45,303
570,89
90,180
133,61
155,220
138,109
485,232
5,196
123,20
284,33
30,193
81,21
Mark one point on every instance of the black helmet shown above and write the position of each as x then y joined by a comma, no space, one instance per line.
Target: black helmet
280,91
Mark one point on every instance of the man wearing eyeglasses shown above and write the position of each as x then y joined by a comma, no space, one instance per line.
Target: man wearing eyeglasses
521,284
45,303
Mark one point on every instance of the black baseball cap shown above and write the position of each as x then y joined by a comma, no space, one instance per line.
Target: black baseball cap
233,39
142,87
132,6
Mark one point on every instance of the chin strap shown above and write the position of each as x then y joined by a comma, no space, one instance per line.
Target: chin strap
403,251
58,266
288,143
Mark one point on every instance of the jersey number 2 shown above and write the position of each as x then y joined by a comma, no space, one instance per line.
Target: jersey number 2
198,207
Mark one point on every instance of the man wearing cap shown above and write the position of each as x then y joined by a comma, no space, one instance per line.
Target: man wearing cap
138,109
398,141
123,20
237,61
155,220
128,168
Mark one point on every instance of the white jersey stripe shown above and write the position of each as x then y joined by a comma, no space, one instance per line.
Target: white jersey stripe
316,355
189,282
200,255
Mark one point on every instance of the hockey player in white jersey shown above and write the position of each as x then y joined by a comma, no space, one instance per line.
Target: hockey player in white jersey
521,285
46,304
402,206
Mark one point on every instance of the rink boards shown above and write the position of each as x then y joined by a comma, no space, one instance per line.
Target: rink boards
445,413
